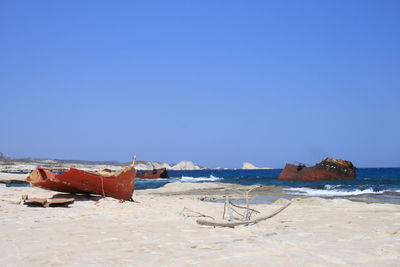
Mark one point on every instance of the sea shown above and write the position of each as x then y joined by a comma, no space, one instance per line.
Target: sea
370,185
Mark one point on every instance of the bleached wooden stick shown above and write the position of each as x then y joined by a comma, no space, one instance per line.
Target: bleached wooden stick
248,213
237,223
228,208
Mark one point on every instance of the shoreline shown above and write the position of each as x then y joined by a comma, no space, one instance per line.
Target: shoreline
216,191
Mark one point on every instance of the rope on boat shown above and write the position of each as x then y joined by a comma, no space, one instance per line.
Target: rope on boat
102,186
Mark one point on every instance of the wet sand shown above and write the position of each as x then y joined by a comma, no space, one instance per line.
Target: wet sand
152,231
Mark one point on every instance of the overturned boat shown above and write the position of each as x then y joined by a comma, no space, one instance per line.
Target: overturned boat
328,169
119,185
154,174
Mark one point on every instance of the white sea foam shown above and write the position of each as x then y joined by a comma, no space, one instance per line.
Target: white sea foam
212,178
180,179
140,180
304,191
329,187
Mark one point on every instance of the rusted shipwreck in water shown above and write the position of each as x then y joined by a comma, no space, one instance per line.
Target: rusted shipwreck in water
328,169
154,174
119,185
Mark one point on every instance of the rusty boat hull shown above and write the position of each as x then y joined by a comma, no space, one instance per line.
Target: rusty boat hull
119,185
154,174
328,169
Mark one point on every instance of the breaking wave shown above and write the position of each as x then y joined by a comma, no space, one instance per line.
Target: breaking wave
212,178
140,180
182,179
304,191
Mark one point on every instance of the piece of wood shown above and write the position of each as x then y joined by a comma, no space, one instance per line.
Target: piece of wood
248,212
237,223
47,202
228,208
240,207
195,213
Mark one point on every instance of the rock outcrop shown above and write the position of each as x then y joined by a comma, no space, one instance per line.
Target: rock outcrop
151,165
4,157
8,164
185,165
250,166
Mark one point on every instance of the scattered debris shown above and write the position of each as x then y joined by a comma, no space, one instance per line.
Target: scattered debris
233,215
234,223
190,213
13,182
229,208
47,202
208,199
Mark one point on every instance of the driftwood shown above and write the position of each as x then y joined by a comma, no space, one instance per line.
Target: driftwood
229,209
232,224
190,213
230,206
13,181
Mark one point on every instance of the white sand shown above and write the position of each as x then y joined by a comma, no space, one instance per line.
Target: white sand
151,232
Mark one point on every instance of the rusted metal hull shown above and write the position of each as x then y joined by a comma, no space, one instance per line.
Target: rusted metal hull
328,169
118,185
154,174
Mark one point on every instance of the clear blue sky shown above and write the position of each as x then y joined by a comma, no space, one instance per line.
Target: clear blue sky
215,82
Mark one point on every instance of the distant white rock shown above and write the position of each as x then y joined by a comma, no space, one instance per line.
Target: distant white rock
185,165
250,166
27,165
49,161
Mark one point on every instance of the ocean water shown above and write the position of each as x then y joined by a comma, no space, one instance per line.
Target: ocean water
381,183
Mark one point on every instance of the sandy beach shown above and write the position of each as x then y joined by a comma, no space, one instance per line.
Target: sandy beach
153,231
